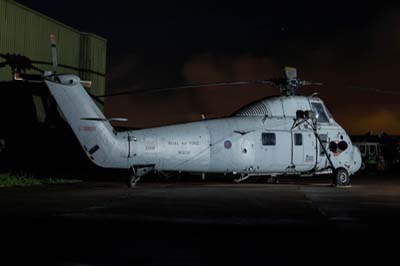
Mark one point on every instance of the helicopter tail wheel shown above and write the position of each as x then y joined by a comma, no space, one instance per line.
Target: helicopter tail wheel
341,178
132,180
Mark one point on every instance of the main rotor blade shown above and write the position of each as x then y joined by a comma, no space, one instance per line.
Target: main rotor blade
190,86
375,90
18,63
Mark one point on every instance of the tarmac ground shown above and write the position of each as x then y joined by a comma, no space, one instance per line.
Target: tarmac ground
304,221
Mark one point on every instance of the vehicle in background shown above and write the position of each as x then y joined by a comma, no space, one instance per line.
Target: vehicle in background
372,157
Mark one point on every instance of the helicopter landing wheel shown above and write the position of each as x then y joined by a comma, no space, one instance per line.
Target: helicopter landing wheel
341,178
133,178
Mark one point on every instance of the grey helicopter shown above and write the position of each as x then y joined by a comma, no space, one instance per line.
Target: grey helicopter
282,135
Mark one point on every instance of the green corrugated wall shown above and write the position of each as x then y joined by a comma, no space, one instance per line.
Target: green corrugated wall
25,31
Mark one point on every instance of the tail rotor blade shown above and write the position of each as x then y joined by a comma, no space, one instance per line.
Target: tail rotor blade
18,63
54,51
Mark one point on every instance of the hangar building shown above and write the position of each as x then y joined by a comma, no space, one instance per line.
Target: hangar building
25,31
31,130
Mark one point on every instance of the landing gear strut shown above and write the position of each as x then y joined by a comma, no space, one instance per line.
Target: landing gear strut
241,178
137,172
133,179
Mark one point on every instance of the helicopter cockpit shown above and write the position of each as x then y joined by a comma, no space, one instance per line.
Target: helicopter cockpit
321,112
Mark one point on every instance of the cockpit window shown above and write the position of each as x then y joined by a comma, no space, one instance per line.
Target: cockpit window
320,112
328,112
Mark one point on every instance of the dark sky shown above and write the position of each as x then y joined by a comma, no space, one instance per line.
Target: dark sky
165,43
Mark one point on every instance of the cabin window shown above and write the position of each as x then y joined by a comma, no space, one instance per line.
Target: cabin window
298,139
268,139
320,112
324,141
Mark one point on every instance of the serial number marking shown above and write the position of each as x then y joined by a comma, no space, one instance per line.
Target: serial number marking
87,128
184,152
150,148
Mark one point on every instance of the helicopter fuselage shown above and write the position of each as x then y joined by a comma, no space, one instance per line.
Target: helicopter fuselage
268,137
243,145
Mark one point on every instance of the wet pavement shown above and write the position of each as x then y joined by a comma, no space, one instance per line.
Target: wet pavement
295,222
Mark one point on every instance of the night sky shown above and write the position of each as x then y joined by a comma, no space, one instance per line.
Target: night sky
166,43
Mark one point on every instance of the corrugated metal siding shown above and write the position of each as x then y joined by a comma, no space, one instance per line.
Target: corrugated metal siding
25,31
93,57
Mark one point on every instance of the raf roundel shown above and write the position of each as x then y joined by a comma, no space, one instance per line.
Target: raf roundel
227,144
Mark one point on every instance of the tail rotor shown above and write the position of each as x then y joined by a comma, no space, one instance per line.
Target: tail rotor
53,44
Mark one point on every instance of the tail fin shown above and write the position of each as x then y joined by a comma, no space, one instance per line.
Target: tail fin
101,143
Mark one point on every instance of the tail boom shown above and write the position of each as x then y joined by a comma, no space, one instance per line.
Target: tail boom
102,144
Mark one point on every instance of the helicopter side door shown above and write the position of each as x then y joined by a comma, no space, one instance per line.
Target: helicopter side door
274,155
303,150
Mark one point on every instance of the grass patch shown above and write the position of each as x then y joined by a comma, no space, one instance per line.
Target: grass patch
7,180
